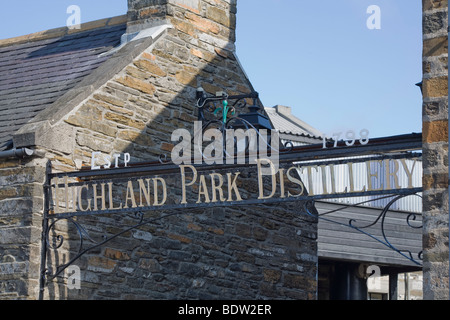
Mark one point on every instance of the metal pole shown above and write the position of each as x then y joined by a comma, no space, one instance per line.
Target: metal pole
393,286
406,274
16,153
43,271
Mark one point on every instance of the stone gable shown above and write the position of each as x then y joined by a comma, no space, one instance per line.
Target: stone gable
132,103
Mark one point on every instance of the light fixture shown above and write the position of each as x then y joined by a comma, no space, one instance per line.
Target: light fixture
224,115
253,119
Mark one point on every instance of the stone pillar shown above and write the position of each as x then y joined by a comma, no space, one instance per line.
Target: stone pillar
144,14
197,18
21,206
435,150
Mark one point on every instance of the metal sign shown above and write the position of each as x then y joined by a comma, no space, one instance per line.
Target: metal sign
164,186
156,187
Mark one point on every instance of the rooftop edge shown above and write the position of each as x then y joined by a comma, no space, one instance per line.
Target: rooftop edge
63,31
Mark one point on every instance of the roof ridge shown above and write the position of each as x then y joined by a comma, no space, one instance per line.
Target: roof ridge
63,31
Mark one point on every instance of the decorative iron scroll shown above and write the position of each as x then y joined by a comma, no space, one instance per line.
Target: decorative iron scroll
381,219
223,111
58,240
247,134
83,235
51,240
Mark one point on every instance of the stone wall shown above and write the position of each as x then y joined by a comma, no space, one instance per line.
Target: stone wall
222,253
435,149
20,231
266,252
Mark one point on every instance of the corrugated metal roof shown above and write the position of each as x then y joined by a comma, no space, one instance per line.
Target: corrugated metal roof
285,122
35,73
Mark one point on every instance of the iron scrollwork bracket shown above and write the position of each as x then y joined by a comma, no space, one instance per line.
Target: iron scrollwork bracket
221,112
58,240
53,240
209,104
381,218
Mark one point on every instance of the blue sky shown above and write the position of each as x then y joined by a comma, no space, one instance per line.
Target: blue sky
318,57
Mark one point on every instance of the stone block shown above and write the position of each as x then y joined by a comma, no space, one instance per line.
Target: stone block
151,265
434,22
116,254
186,78
185,27
272,276
15,236
202,24
431,108
220,16
150,67
434,157
435,87
110,99
93,125
122,119
13,268
433,202
193,5
434,4
435,46
101,264
94,143
435,131
435,181
137,84
21,175
296,281
6,193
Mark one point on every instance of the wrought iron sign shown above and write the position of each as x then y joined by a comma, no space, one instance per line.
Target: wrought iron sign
214,178
156,187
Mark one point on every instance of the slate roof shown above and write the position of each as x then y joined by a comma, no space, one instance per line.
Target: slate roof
35,73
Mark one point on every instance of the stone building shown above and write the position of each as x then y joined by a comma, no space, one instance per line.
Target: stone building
435,149
123,85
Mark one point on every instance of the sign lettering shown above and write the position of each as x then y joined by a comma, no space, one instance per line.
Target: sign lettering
193,186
